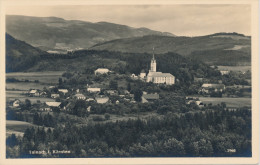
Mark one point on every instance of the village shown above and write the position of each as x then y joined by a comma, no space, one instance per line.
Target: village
113,92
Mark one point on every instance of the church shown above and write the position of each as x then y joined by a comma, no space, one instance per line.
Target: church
158,77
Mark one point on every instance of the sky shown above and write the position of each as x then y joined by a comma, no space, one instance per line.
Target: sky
181,20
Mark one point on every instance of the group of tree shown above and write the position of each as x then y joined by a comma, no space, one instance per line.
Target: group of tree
206,134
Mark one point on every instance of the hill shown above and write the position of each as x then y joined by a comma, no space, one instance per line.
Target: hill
220,46
20,55
52,33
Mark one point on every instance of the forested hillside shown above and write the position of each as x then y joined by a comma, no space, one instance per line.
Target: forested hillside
20,56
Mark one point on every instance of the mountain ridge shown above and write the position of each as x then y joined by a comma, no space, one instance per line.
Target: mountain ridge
58,33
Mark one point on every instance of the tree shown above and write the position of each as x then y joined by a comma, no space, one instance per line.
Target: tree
129,87
113,84
28,103
138,95
107,116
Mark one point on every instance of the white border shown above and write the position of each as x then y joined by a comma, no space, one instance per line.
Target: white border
255,87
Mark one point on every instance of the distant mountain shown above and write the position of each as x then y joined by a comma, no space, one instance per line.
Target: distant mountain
20,55
52,33
211,49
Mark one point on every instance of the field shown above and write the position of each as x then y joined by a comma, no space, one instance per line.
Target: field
16,127
16,89
24,86
43,77
230,102
11,95
235,68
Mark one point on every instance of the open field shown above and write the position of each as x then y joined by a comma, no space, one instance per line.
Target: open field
43,77
16,127
235,68
24,86
230,102
11,95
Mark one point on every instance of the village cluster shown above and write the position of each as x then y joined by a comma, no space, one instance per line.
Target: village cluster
98,95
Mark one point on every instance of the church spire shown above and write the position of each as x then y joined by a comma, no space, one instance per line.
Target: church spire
153,63
153,54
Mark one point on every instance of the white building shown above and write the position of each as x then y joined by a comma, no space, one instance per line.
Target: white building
55,95
16,103
159,77
102,99
63,90
93,90
101,71
80,96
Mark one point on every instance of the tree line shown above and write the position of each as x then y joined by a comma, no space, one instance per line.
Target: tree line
206,134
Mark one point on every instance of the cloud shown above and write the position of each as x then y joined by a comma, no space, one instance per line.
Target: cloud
191,20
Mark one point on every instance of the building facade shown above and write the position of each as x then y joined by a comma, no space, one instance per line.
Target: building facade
159,77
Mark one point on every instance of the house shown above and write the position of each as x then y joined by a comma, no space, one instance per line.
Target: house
199,103
133,76
111,92
34,92
16,103
49,105
93,90
198,79
89,108
55,95
101,71
117,102
101,99
224,72
142,74
90,99
53,104
207,88
149,97
64,91
80,96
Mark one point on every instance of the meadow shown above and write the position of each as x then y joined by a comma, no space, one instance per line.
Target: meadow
48,77
16,127
230,102
12,95
235,68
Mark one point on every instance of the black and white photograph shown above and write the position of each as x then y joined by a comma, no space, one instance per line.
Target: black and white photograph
100,81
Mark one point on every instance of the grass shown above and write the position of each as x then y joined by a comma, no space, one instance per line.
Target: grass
235,68
24,86
16,127
11,95
43,77
230,102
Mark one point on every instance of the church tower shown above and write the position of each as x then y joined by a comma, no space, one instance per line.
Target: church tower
153,64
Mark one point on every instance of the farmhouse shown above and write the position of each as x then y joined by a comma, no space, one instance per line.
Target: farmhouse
49,105
207,88
224,72
101,71
55,95
102,99
16,103
80,96
149,97
93,90
34,92
63,90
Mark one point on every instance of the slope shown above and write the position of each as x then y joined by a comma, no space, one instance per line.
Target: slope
20,55
50,33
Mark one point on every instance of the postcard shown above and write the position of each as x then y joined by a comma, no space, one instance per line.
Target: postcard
129,82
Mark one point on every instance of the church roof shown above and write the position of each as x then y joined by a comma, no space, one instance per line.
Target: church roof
159,74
